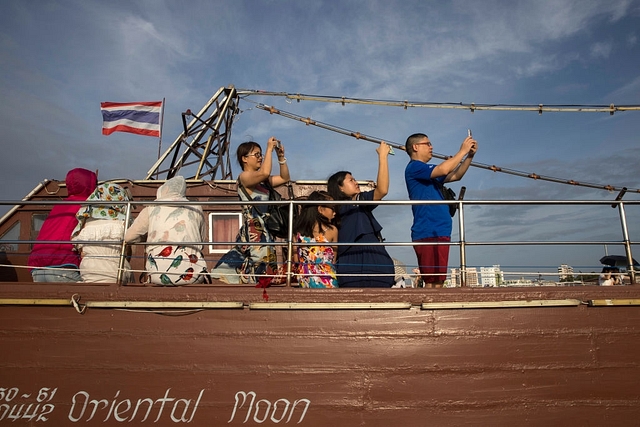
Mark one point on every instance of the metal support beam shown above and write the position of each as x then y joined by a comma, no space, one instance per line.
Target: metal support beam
202,149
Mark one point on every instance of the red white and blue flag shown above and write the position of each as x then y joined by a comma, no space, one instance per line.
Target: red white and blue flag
142,118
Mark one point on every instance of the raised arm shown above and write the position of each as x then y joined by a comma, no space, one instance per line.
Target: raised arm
283,177
448,166
382,182
462,168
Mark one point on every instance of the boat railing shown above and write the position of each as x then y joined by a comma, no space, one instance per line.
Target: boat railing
461,241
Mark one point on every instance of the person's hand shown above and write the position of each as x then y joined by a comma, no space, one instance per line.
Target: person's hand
272,144
474,148
280,150
469,146
383,149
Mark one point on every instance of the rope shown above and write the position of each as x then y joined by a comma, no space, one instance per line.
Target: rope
472,107
75,300
358,135
51,193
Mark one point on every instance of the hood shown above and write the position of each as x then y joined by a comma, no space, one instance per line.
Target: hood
174,189
81,183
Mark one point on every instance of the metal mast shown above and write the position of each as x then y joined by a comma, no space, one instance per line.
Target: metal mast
202,149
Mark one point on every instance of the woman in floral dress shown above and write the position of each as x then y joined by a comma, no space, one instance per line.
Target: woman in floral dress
254,263
316,263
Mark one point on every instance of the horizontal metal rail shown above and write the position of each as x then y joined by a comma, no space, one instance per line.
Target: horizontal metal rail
462,243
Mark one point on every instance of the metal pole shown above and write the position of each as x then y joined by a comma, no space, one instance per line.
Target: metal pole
463,256
289,243
123,247
627,243
160,138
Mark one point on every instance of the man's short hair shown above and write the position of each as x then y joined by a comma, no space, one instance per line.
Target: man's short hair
412,140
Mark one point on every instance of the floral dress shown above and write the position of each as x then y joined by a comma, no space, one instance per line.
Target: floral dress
316,263
176,263
251,263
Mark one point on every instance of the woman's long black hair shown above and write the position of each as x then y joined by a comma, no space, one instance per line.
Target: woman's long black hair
309,215
333,185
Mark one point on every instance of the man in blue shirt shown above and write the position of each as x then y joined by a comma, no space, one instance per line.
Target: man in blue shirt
432,223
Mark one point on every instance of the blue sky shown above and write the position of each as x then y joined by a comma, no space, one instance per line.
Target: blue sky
60,59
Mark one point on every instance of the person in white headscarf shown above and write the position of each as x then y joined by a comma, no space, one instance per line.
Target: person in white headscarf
177,257
102,223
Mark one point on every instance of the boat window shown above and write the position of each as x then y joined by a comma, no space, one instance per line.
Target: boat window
13,233
223,227
37,219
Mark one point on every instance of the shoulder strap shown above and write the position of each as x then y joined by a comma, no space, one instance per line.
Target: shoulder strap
249,198
244,190
290,190
440,188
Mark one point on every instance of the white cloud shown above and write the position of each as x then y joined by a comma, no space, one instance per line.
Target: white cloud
139,37
601,49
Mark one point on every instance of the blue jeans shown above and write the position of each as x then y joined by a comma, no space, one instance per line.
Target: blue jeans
56,274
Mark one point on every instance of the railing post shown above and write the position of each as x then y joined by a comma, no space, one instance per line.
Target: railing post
123,247
463,255
627,243
289,243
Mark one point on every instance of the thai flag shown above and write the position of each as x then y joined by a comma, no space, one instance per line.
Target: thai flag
142,118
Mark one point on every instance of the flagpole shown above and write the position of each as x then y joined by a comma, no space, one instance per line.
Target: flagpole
160,138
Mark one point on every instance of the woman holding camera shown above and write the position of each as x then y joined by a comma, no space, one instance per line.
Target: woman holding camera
254,263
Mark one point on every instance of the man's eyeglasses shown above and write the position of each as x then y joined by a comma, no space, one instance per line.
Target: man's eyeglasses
256,155
424,143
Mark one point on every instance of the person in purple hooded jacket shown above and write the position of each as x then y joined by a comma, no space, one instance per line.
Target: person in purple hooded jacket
59,262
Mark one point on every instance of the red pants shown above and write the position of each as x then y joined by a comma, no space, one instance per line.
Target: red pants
433,260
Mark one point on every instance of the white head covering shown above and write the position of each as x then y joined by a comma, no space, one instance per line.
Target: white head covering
174,189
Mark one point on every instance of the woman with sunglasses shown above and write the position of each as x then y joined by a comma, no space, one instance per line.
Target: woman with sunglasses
315,226
254,263
362,266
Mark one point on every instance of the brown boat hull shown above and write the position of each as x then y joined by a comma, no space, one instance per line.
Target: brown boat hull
319,364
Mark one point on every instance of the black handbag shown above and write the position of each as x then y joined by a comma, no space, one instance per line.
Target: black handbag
276,219
448,194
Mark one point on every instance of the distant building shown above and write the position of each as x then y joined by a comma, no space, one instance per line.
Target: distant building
491,276
565,272
472,277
